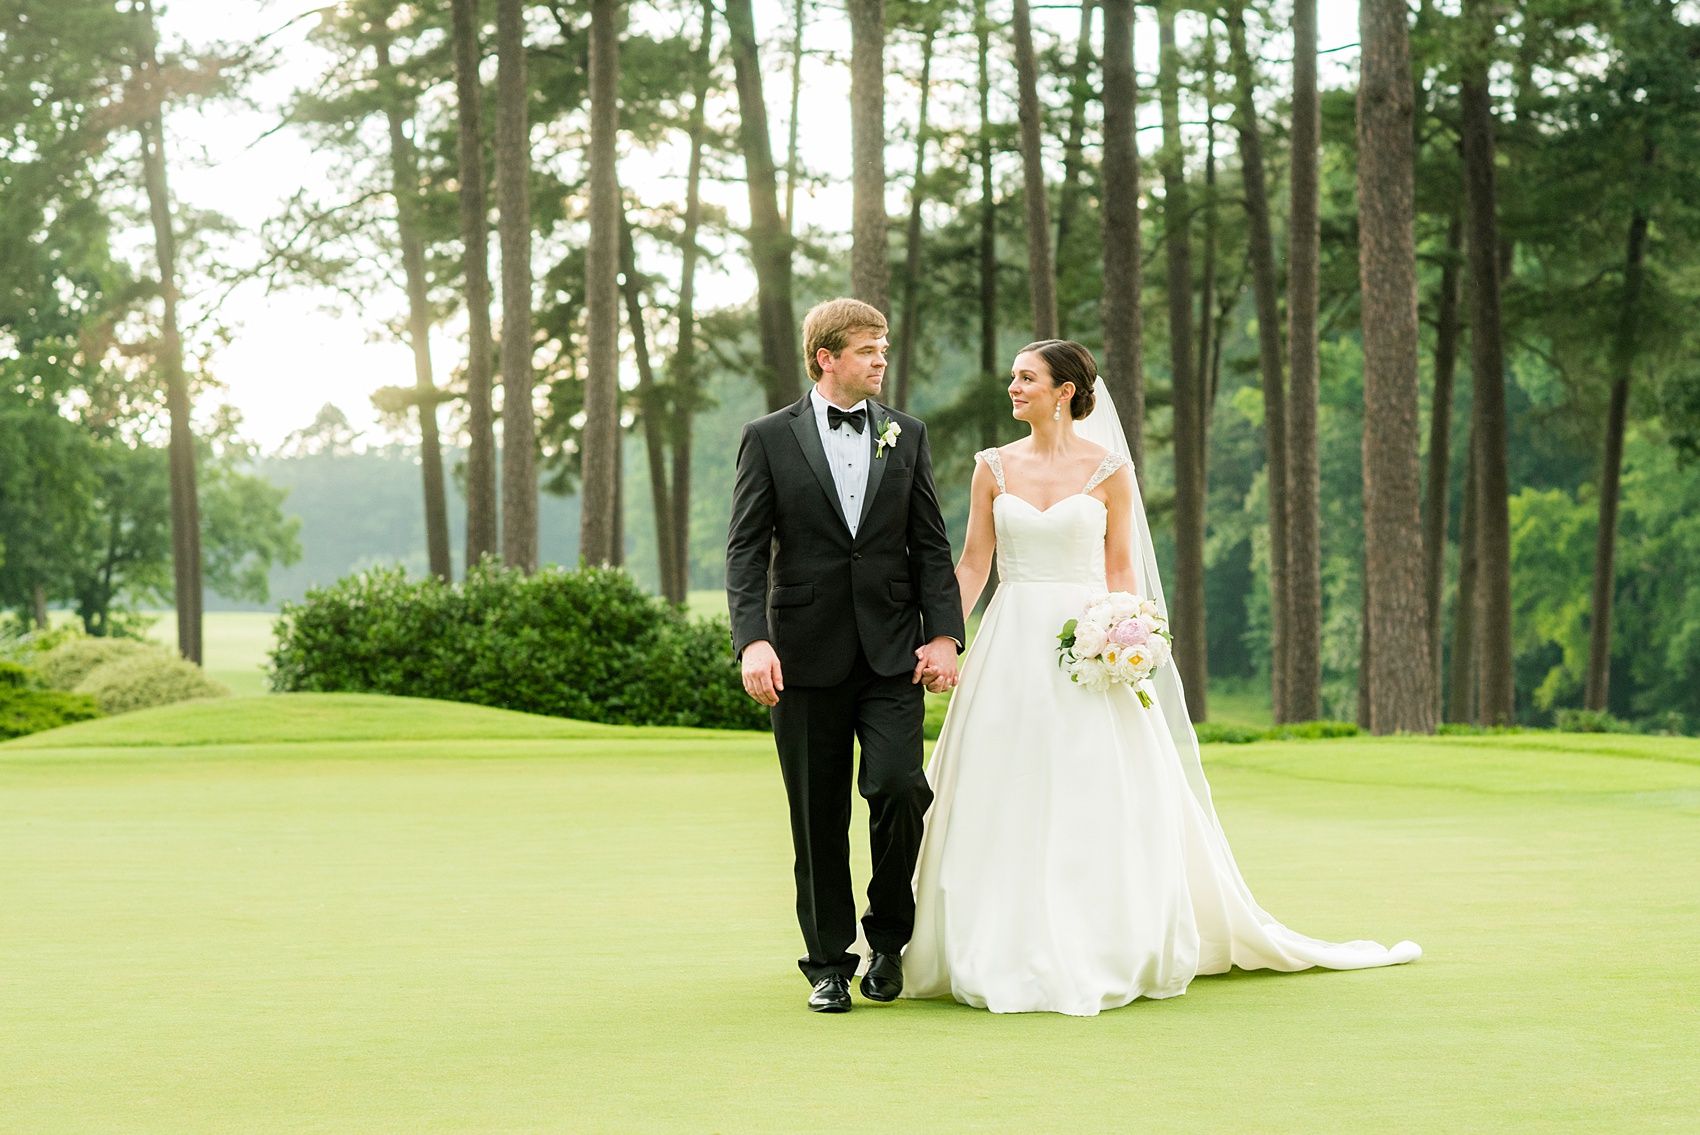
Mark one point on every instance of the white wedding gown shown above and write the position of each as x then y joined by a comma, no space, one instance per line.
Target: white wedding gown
1072,862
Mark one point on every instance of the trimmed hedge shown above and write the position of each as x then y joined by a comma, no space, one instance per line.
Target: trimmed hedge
24,710
148,678
1209,732
587,644
32,711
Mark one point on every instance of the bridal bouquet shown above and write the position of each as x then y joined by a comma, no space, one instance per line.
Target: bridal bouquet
1121,638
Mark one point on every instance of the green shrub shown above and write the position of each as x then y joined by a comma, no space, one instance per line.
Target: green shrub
13,676
1209,732
25,711
145,679
1312,731
1467,729
586,644
66,665
1671,723
1590,721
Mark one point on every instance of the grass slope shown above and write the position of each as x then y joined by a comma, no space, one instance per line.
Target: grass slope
503,924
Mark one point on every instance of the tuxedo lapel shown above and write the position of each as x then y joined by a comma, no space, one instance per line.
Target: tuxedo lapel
876,462
808,437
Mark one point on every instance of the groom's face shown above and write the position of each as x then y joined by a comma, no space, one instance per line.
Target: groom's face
858,370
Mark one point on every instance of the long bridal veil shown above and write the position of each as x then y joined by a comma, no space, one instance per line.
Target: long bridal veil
1244,933
1104,426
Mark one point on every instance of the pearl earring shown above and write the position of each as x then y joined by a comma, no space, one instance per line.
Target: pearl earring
1056,414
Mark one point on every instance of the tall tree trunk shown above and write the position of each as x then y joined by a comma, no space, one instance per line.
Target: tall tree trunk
1401,698
652,407
599,519
1461,691
1487,365
870,251
1041,280
1304,477
38,606
770,243
683,372
1188,601
910,329
404,185
988,224
791,125
1074,146
185,504
1207,286
1437,496
513,196
1260,245
1124,357
481,532
1363,658
1611,465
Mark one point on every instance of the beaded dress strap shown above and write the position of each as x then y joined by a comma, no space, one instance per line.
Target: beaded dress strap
1106,468
994,462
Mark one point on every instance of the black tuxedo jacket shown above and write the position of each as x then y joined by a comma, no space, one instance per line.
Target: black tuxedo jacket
794,575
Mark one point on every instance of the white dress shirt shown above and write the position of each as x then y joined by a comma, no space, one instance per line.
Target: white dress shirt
847,453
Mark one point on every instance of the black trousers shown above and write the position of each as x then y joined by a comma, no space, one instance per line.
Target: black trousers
814,727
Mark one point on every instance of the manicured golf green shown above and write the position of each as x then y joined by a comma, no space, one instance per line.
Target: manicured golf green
362,914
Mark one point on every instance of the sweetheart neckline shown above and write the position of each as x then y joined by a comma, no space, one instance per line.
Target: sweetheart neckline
1054,504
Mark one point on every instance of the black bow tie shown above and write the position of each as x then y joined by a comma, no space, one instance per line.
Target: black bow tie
835,417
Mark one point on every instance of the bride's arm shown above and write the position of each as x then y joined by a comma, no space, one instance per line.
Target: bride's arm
1118,539
976,562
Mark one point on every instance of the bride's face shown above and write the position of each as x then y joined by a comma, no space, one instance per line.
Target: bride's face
1033,394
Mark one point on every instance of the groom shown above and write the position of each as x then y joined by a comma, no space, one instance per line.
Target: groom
843,602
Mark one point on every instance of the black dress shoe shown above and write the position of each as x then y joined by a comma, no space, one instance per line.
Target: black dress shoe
884,979
831,995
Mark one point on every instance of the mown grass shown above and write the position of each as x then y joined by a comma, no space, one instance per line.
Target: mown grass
349,914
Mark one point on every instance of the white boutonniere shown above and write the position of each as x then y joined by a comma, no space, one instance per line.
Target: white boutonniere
890,431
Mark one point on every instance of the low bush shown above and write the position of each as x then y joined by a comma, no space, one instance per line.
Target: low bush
66,665
1312,731
145,679
1209,732
587,644
1590,721
23,710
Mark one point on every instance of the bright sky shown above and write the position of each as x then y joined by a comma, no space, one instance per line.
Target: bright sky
294,351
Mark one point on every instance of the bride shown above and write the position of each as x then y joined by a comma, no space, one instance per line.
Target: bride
1072,860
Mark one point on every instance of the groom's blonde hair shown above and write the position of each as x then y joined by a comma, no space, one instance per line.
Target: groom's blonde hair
828,325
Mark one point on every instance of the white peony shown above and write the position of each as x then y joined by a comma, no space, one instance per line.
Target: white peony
1089,639
1122,605
1091,674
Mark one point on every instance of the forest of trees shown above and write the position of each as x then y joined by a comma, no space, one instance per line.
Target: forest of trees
1410,354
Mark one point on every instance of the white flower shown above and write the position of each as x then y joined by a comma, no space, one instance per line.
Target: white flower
890,431
1091,674
1122,605
1089,639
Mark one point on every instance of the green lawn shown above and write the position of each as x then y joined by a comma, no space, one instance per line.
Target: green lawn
235,645
341,914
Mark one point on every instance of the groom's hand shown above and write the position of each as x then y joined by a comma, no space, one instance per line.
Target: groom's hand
762,679
936,664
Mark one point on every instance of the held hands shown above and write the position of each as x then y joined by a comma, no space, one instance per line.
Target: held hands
935,664
762,679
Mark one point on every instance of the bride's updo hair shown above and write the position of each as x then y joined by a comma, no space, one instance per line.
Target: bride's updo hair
1070,362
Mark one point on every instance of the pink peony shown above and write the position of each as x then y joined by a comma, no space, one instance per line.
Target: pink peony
1130,632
